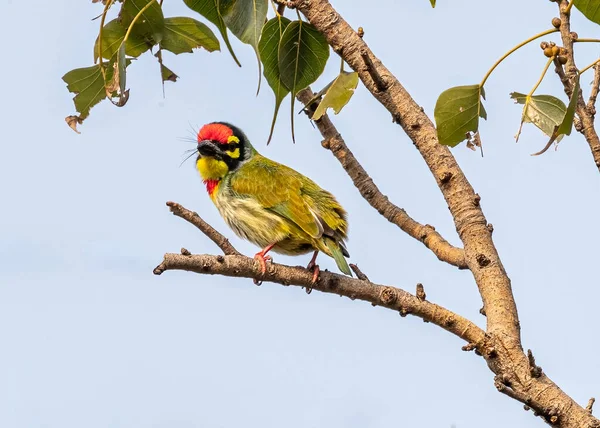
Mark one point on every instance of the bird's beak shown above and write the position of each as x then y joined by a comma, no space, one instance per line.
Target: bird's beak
208,148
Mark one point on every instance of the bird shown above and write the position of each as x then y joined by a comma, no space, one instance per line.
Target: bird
267,203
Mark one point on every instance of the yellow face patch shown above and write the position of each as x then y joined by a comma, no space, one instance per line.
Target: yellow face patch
211,168
234,154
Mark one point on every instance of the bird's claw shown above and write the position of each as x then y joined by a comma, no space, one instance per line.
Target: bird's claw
262,260
316,270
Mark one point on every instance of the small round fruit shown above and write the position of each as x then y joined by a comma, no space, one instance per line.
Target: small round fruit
556,22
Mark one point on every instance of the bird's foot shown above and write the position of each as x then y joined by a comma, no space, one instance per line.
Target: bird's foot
262,260
316,270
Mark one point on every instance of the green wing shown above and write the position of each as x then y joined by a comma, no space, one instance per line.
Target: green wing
279,189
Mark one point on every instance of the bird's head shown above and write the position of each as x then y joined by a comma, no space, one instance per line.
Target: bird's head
222,148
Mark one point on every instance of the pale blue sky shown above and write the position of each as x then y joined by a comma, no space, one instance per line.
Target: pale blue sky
91,338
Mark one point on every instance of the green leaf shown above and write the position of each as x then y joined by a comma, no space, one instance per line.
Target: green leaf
210,9
245,19
338,94
566,126
303,53
457,113
590,8
88,87
150,26
113,34
432,3
268,48
167,74
544,111
183,34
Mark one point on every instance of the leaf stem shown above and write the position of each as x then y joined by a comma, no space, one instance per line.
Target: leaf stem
102,20
550,60
586,41
520,45
568,9
140,13
342,65
584,69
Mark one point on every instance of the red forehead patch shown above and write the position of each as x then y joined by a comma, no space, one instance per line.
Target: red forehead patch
215,132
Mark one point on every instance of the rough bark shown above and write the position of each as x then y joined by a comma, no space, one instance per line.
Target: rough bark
585,113
425,233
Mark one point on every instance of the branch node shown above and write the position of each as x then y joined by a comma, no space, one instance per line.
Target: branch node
445,177
492,354
404,312
421,292
490,227
469,347
370,67
220,258
185,252
476,199
359,273
590,405
388,296
360,32
482,260
482,311
534,369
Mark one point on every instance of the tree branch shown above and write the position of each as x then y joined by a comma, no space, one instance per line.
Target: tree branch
586,116
591,105
506,357
237,265
480,253
193,218
371,193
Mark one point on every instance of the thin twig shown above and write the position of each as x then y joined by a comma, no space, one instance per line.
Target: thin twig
192,217
591,104
359,273
586,120
371,193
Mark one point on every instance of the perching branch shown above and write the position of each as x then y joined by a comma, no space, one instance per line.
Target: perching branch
237,265
192,217
371,193
586,115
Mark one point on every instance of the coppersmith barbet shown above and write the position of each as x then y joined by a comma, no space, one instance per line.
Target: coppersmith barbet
267,203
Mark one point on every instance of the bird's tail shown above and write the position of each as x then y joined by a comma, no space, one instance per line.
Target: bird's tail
338,251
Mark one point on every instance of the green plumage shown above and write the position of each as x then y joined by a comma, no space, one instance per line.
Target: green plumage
268,203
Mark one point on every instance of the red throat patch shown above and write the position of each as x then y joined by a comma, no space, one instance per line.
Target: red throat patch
215,132
211,186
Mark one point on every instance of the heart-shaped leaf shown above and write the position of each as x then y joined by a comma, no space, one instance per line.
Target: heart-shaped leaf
210,9
89,87
303,53
245,19
182,34
544,111
268,48
337,94
457,112
590,8
113,34
151,26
